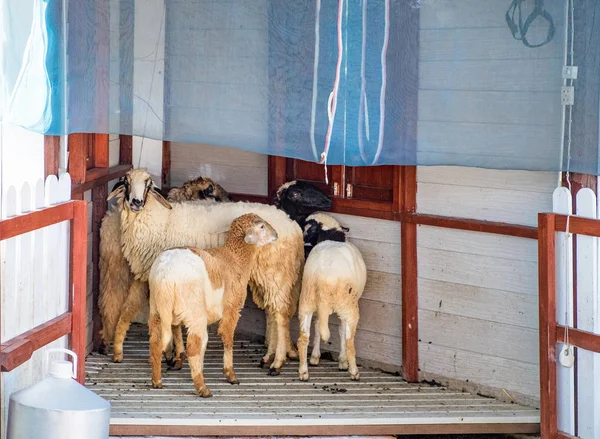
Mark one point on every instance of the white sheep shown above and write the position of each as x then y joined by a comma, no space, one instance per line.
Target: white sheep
115,275
333,281
196,288
150,225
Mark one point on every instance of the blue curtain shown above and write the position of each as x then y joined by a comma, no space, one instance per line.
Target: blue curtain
355,82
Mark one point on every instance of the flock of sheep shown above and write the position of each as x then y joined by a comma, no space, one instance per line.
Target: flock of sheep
192,256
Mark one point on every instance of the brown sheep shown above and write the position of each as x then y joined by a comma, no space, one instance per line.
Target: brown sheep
115,275
198,287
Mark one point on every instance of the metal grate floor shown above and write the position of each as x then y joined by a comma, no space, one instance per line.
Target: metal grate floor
330,403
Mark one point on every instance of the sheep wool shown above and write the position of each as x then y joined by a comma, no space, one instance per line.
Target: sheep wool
115,275
198,287
149,227
334,279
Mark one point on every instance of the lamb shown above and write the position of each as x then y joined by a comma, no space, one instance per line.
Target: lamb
115,275
200,287
333,281
298,199
150,225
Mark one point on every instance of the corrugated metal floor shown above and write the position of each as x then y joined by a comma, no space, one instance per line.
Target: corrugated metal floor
329,399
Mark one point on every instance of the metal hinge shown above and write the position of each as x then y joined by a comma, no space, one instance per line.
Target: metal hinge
336,190
348,190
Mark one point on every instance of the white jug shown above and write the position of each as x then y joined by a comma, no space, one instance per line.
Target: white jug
58,407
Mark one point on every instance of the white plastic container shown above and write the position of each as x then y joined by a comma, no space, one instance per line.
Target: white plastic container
58,407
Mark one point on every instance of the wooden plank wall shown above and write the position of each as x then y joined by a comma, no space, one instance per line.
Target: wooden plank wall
238,171
483,91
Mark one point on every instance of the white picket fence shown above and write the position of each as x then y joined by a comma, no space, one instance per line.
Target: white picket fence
35,277
586,389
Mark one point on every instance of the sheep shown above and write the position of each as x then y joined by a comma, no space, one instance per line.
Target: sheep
298,199
115,275
334,279
199,188
150,225
197,288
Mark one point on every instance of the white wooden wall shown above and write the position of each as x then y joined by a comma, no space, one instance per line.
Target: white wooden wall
34,267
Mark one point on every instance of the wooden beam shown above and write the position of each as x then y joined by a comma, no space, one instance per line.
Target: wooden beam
578,225
547,325
78,144
100,176
582,339
496,228
101,153
18,225
277,169
78,271
320,430
99,206
165,176
20,349
125,150
51,155
410,293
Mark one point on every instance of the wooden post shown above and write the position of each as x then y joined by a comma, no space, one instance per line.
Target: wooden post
78,292
125,150
547,326
165,176
410,294
51,155
99,206
78,144
277,169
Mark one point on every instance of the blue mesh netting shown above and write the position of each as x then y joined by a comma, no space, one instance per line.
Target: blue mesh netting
371,82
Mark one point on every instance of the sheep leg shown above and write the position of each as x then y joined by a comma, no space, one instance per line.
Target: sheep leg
283,325
176,362
291,351
131,306
342,358
270,355
315,356
156,348
268,323
305,319
196,348
349,326
226,330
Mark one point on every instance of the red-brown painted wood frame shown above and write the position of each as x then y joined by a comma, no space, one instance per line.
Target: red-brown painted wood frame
18,350
552,333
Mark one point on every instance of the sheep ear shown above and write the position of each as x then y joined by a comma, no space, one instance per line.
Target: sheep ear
251,238
119,189
345,229
158,196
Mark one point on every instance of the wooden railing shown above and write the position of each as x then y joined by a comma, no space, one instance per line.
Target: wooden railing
19,349
551,332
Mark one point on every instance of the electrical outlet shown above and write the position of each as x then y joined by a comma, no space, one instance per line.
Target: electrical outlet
567,95
570,72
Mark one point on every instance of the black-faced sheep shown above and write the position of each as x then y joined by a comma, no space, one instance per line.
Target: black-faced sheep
299,199
200,287
150,225
333,281
115,275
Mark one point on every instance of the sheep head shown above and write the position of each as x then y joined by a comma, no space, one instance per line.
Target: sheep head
254,229
134,189
300,199
321,227
199,188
